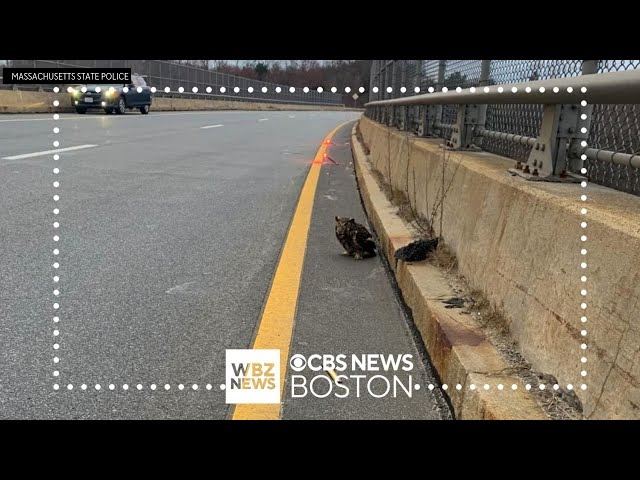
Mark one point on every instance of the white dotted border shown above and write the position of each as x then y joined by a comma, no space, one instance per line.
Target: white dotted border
583,253
195,387
487,89
125,387
56,251
223,90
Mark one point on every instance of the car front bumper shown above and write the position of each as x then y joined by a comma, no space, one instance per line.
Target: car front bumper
102,102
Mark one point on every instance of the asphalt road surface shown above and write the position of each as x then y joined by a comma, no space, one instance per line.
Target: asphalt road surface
170,229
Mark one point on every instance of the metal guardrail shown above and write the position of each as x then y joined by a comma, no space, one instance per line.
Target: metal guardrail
619,87
558,149
520,121
162,74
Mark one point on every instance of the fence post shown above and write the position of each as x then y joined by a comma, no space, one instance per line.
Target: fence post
574,154
485,72
590,67
391,115
442,68
415,112
380,80
432,114
557,149
394,74
469,118
404,118
374,65
376,79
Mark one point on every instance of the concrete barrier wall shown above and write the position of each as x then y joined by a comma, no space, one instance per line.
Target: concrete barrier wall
17,101
519,242
163,104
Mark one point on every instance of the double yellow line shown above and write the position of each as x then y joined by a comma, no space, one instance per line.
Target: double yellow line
276,325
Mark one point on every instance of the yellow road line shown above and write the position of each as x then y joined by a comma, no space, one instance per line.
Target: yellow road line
278,317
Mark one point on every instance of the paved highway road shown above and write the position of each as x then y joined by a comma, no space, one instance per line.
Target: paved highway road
170,230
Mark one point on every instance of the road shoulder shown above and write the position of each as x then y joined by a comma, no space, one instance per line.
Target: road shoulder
350,307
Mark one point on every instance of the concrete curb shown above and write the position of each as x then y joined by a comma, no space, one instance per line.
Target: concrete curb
460,352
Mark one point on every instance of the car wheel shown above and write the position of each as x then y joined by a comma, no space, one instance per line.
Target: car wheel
108,111
144,109
81,110
122,107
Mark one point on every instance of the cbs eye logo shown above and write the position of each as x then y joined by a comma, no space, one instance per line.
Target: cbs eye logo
252,376
297,362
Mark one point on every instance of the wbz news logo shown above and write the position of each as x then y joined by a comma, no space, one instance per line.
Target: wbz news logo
252,376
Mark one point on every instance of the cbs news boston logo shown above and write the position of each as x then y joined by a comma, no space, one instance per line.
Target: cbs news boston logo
252,376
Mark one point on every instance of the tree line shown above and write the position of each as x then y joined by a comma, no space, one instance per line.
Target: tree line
298,73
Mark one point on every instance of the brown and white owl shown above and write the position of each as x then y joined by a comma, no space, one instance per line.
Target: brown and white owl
355,238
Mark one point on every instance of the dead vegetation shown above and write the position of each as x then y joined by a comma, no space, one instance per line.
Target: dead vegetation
405,200
365,147
557,403
426,225
486,315
444,258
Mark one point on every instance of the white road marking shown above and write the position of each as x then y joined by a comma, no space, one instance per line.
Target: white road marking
183,288
47,152
70,116
263,119
213,126
49,118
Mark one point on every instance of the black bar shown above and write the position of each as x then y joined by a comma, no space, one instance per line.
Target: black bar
48,76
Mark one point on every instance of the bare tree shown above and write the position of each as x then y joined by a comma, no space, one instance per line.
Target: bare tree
219,64
298,73
200,64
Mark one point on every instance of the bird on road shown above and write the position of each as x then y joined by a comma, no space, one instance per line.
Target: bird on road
416,251
355,238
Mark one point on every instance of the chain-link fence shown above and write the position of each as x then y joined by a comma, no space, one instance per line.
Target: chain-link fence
162,74
613,128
